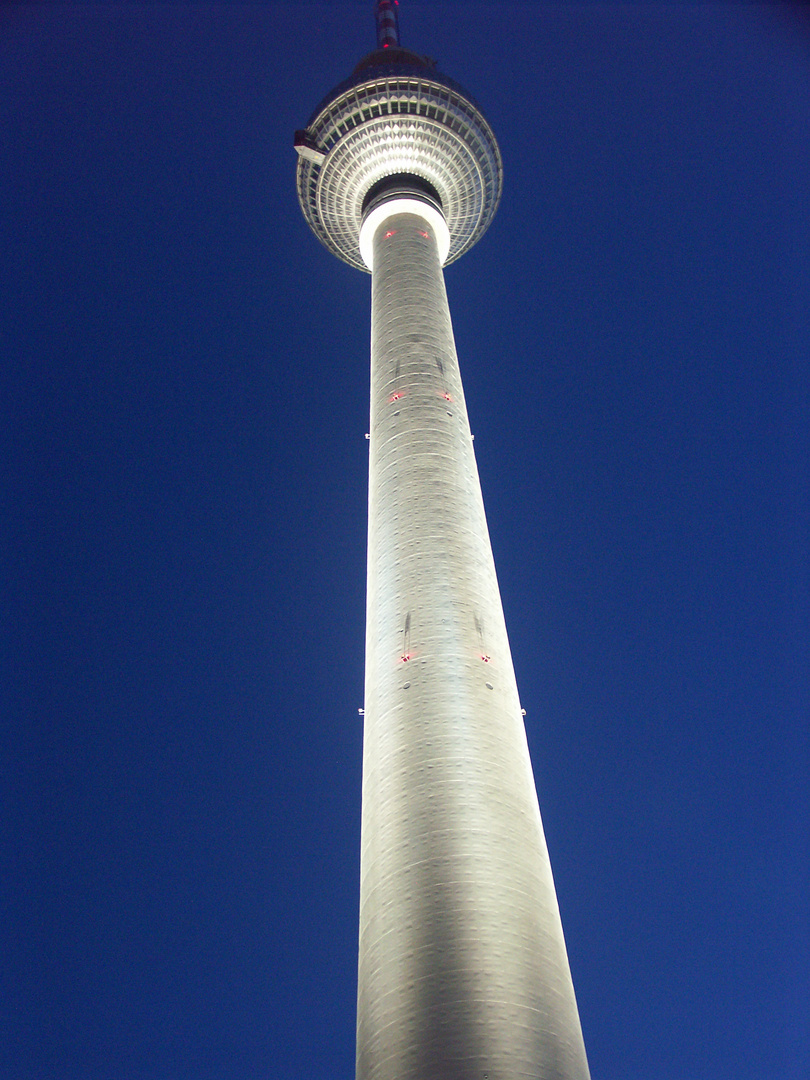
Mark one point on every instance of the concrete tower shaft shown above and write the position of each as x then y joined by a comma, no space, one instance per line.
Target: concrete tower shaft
463,971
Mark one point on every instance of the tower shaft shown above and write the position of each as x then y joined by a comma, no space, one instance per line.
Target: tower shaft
463,972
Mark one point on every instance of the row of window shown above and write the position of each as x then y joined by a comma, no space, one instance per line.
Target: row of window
389,99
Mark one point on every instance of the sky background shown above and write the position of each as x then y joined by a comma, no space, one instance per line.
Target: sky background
184,402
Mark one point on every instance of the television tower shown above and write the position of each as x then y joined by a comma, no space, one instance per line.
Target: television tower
463,972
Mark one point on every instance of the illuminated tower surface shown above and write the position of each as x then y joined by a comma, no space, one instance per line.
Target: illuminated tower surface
463,973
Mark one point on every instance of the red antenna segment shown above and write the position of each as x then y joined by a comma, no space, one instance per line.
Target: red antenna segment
387,24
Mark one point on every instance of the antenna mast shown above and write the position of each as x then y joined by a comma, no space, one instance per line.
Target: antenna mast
387,24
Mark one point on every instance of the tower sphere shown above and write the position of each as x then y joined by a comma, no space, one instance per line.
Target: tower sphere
396,115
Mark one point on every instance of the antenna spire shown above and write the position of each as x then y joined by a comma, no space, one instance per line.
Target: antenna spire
387,24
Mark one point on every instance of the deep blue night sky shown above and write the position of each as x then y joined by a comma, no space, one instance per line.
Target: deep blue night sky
184,402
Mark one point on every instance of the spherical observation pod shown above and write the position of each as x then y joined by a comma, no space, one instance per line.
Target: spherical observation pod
397,115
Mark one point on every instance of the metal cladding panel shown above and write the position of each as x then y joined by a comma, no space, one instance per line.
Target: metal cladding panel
463,972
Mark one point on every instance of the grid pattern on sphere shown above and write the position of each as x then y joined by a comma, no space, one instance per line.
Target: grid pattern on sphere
399,124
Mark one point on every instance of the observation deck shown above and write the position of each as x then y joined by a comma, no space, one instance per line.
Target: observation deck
396,114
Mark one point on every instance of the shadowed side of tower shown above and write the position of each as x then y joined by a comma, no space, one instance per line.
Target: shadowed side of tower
462,972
